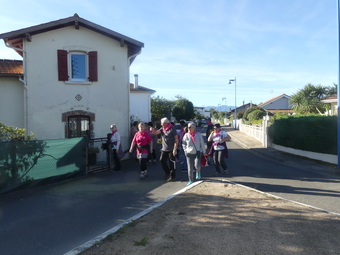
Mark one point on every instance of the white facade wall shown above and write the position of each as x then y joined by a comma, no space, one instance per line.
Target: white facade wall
108,98
140,106
12,102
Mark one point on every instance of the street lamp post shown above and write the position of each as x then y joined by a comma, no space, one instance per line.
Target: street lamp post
225,102
234,80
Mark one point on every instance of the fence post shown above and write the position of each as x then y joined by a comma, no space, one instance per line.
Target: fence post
264,131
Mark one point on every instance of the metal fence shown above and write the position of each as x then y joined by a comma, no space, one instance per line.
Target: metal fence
98,154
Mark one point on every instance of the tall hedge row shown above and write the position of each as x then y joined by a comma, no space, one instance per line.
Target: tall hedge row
310,133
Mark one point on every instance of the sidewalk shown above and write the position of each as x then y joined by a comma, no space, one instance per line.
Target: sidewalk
254,146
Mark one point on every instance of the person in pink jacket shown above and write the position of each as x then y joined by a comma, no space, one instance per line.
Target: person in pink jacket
143,141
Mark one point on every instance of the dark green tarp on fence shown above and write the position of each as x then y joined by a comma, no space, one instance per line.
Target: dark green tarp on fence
27,163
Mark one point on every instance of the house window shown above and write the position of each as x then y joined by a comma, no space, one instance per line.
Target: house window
78,126
77,67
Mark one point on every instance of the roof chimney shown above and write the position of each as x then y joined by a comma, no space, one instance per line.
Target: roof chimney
136,81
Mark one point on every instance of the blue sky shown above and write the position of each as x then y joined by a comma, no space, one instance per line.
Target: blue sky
193,47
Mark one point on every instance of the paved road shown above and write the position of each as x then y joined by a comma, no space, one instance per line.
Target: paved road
303,185
57,218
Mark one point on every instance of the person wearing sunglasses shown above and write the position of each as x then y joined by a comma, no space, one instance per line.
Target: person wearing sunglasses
219,149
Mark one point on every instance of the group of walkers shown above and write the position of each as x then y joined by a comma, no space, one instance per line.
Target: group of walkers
144,141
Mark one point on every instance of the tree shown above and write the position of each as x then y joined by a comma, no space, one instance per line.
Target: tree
250,110
199,116
307,100
8,133
331,90
160,108
184,109
256,115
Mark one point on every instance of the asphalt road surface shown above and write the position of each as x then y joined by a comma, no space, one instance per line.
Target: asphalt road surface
57,218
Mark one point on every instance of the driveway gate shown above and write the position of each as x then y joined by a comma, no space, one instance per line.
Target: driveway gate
97,154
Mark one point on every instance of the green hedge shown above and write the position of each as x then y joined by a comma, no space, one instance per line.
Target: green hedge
309,133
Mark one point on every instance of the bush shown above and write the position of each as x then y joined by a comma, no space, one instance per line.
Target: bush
248,111
309,133
256,115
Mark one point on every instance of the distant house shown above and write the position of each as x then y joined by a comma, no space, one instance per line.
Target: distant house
73,79
333,101
242,108
202,111
140,102
277,104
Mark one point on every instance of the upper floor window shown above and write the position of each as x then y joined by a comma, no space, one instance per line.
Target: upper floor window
77,67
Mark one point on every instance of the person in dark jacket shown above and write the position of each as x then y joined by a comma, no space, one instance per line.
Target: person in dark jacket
170,144
210,129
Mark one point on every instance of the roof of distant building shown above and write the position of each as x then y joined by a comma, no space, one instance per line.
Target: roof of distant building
10,68
141,89
274,99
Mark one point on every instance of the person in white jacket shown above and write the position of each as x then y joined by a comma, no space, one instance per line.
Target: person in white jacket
115,143
194,148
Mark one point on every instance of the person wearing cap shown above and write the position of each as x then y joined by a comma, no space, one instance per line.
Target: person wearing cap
219,149
194,148
169,147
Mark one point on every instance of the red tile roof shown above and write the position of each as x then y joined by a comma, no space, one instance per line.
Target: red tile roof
334,96
11,67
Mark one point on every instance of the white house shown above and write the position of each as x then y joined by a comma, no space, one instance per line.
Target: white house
140,102
277,104
333,101
202,111
74,79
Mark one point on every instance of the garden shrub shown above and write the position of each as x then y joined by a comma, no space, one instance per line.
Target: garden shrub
309,133
256,115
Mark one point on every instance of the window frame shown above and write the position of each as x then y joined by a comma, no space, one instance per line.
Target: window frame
85,66
78,126
65,66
